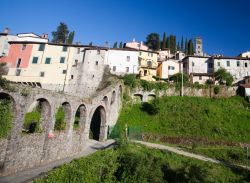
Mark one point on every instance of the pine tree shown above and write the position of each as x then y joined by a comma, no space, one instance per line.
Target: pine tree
61,34
164,41
120,46
115,45
90,44
71,37
182,44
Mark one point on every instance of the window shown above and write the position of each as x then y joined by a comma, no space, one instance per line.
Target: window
149,63
35,60
238,63
128,58
72,76
228,63
151,54
47,60
199,47
76,62
245,64
192,63
145,72
139,62
42,74
210,65
98,52
96,62
218,64
41,47
62,60
148,54
140,53
18,72
114,68
200,77
18,63
65,48
24,47
64,71
127,69
184,65
78,50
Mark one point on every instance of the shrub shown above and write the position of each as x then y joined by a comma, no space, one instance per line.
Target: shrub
197,85
60,123
129,80
5,118
209,82
151,108
146,85
216,90
223,77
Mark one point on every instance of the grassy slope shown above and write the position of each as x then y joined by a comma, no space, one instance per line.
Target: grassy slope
215,119
135,163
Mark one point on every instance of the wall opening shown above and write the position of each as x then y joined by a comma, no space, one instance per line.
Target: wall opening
105,100
98,120
151,97
63,116
137,98
7,114
36,118
80,118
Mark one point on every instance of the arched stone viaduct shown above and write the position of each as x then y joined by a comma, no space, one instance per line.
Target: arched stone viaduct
21,151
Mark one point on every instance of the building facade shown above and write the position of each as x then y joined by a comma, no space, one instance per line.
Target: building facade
168,68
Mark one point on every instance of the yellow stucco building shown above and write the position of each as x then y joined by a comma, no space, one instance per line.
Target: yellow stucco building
148,64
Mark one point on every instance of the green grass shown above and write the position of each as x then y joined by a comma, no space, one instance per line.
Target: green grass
220,119
32,117
133,163
60,123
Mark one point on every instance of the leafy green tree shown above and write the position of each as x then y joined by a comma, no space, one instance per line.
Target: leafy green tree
120,46
178,77
153,41
164,41
182,44
223,77
61,34
71,37
115,45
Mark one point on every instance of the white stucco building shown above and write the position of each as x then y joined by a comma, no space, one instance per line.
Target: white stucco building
245,54
237,66
198,68
136,45
123,61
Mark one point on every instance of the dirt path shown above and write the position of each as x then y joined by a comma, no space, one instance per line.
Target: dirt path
188,154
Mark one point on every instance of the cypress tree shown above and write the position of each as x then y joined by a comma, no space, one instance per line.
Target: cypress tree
186,46
168,42
71,37
172,43
178,46
90,44
190,47
164,41
115,45
120,46
182,44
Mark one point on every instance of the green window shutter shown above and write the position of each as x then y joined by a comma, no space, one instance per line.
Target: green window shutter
47,61
41,47
65,48
35,60
62,60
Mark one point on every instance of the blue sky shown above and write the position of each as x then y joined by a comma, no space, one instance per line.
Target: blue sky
223,24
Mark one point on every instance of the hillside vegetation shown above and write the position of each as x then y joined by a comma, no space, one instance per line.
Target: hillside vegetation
135,163
216,119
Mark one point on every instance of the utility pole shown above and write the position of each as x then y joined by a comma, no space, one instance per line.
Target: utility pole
182,80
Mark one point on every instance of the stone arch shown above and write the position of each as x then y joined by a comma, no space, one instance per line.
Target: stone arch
80,118
43,107
63,117
97,129
113,97
151,97
138,97
7,99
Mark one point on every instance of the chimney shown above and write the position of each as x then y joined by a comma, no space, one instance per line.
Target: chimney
45,36
6,30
